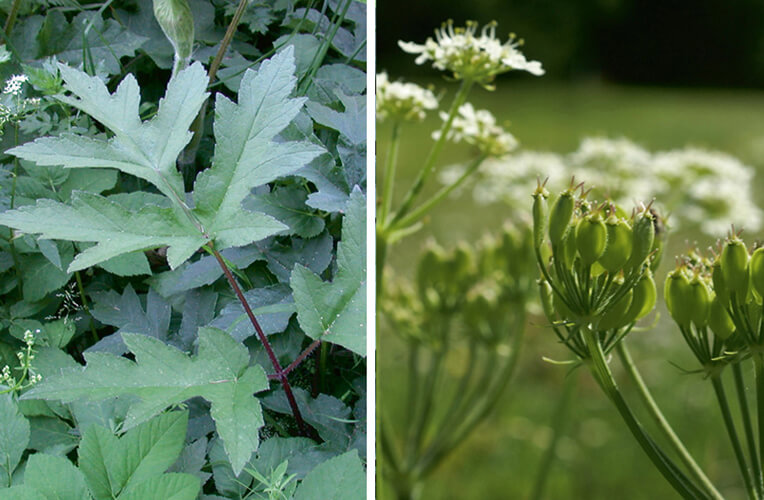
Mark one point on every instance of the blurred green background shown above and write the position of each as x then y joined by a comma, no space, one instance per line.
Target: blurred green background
664,74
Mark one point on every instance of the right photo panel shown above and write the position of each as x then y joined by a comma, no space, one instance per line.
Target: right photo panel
569,267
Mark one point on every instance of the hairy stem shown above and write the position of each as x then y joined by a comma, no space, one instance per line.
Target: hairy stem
734,439
428,205
660,420
559,419
745,411
280,374
661,461
429,164
391,162
299,359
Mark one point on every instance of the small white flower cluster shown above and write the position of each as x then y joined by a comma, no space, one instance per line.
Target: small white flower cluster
469,56
13,84
25,356
479,128
707,190
14,107
402,101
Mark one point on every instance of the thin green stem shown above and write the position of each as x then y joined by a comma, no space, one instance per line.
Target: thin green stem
660,420
85,306
729,423
737,372
391,162
758,362
12,15
429,164
558,430
188,155
428,205
661,461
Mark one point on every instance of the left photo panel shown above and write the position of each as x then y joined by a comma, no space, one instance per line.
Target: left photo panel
183,277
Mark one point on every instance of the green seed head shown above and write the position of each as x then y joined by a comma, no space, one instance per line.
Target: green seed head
720,286
700,299
540,215
678,296
591,238
734,261
619,243
719,321
177,23
756,268
560,216
643,238
616,315
569,249
645,295
545,293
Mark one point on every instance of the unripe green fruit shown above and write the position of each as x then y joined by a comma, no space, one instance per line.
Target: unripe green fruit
678,297
568,249
619,243
756,267
562,310
545,293
734,260
643,236
559,218
719,321
591,239
540,215
700,302
645,295
720,286
616,314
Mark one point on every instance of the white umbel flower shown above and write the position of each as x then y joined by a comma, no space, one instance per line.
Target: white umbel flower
13,84
479,128
469,56
402,101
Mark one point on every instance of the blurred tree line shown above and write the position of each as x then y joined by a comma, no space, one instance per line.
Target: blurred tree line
655,42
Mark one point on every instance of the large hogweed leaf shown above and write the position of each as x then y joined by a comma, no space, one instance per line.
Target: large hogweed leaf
246,156
335,312
163,376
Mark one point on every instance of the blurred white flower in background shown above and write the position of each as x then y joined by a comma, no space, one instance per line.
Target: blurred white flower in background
696,188
479,128
402,101
470,56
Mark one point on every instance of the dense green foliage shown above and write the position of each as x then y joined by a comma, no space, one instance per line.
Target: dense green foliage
145,213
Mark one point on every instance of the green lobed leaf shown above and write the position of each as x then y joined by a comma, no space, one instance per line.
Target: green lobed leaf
105,42
55,478
171,486
144,149
246,155
336,311
162,376
117,231
339,478
14,437
127,313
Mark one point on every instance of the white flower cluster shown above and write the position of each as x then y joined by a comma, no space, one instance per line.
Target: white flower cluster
696,188
469,56
402,101
13,84
25,356
479,128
